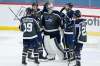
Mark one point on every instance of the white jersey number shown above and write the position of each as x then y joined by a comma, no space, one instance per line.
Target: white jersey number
83,31
28,27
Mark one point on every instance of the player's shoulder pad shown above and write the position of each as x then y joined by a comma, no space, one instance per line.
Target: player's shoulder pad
45,13
71,12
39,10
82,21
22,18
57,15
55,11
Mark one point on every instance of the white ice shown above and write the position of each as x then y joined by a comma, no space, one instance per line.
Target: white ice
11,50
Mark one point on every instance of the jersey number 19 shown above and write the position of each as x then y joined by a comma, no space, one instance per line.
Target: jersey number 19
28,27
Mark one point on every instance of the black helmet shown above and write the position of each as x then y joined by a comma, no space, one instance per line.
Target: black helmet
70,4
34,4
77,13
45,8
46,4
28,10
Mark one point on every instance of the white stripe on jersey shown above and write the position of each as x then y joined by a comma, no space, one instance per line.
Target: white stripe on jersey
53,30
77,25
30,37
68,32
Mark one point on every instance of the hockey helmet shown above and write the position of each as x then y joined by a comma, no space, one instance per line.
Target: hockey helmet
28,10
77,13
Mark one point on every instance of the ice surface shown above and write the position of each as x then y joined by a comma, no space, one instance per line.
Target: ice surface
11,50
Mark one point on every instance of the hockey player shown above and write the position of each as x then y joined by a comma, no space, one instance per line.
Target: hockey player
50,24
30,30
68,8
68,38
45,8
80,35
36,13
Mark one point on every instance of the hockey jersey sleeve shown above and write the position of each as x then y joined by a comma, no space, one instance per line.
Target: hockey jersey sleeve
37,27
21,26
60,21
41,23
81,33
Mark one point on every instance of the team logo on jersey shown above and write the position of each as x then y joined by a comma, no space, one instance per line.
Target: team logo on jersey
49,20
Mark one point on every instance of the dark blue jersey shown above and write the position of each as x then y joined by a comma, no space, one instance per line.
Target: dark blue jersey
69,26
69,14
51,22
30,27
80,30
68,23
37,14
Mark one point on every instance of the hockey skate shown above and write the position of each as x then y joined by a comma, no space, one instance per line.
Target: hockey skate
36,61
77,63
42,58
30,58
24,60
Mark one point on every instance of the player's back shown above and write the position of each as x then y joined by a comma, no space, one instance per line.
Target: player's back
30,26
80,25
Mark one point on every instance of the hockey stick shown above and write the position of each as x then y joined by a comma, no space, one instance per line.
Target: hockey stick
19,11
14,14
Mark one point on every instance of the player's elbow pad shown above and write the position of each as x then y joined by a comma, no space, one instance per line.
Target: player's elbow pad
21,28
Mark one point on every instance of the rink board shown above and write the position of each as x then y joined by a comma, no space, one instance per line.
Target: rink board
8,21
